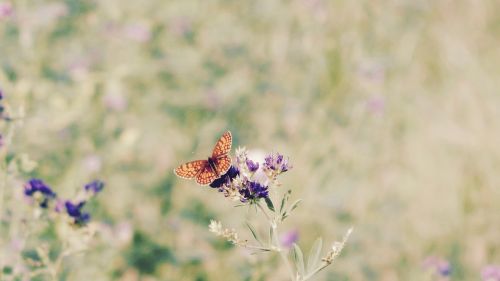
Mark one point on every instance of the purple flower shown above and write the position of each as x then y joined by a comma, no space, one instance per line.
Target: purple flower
276,163
232,173
252,166
95,186
289,238
6,10
36,186
438,265
490,273
75,211
252,191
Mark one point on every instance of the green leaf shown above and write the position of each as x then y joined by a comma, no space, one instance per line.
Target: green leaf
284,216
294,205
286,196
298,259
254,233
269,204
314,255
271,235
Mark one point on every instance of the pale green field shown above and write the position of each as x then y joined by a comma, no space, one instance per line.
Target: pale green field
388,110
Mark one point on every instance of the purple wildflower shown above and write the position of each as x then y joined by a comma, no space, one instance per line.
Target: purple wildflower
6,10
276,163
252,166
289,238
440,266
490,273
232,173
36,186
252,191
75,211
95,186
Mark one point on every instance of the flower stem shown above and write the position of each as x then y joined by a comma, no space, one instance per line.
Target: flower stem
318,269
275,242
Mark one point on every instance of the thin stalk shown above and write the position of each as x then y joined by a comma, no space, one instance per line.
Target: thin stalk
257,247
276,245
318,269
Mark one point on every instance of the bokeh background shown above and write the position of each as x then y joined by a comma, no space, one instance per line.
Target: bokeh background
388,110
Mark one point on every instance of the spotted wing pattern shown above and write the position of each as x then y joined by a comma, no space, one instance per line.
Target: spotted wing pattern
223,145
222,164
191,169
207,176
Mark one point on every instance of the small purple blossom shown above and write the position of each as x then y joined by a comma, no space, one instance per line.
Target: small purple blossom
276,163
289,238
252,191
252,166
490,273
75,211
439,266
36,186
95,186
232,173
6,10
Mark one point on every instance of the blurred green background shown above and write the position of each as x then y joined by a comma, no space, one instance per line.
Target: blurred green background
388,110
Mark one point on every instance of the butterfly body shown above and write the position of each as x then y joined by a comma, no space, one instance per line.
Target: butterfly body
211,163
206,171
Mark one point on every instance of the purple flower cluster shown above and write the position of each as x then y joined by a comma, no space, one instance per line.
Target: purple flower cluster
247,180
252,166
276,164
41,192
6,10
439,266
95,186
490,273
75,211
37,189
227,178
252,191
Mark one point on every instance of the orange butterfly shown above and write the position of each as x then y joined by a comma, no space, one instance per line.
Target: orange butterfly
206,171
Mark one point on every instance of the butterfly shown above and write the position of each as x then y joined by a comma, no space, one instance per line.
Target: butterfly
206,171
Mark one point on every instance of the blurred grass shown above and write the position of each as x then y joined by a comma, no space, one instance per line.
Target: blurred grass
387,109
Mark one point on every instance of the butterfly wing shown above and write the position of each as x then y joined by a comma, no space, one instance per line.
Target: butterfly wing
223,145
191,169
222,164
207,176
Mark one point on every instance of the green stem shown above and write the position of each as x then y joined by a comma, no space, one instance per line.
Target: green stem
257,247
318,269
275,242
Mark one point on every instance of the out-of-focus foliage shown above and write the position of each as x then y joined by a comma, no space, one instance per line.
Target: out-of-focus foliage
388,110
